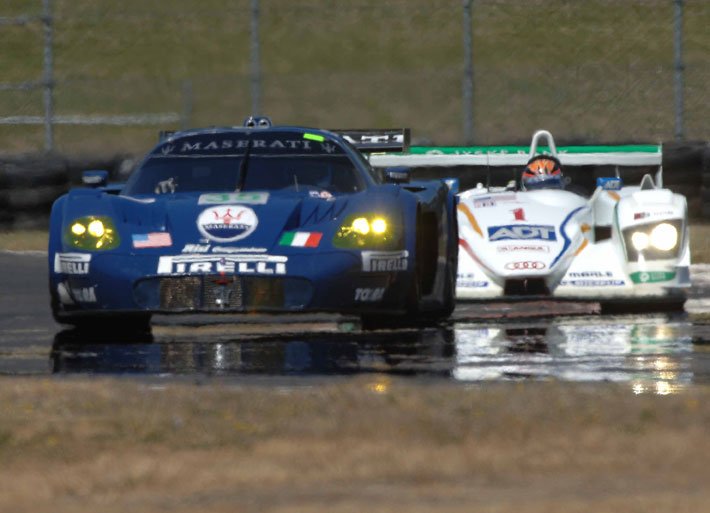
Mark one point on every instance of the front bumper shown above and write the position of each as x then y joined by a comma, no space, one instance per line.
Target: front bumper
338,281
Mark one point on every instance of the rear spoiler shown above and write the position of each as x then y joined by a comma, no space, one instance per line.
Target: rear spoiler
449,156
376,139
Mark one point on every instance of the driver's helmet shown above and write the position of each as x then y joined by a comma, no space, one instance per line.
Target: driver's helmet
542,172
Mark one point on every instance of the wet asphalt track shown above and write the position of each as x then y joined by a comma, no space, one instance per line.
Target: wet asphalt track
654,353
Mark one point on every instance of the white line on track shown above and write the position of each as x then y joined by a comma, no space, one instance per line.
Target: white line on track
37,252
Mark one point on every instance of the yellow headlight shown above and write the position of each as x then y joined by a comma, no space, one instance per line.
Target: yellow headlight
379,226
96,228
360,225
78,229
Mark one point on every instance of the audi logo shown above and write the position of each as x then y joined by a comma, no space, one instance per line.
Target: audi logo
525,266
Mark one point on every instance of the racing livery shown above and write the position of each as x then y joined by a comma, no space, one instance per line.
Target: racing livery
623,246
256,218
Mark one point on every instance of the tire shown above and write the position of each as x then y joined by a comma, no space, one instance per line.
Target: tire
665,305
415,317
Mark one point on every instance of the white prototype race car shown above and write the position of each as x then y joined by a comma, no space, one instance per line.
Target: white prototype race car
623,246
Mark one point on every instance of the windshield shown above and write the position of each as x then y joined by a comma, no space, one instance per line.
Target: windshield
273,162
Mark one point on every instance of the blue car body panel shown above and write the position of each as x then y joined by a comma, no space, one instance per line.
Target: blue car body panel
232,220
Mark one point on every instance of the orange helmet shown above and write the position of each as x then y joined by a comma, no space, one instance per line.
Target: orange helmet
542,172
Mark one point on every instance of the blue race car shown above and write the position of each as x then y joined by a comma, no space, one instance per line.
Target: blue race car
256,218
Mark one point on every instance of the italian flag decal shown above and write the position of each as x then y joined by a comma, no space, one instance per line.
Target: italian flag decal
301,239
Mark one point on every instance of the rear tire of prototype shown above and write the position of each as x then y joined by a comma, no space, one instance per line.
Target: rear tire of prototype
669,305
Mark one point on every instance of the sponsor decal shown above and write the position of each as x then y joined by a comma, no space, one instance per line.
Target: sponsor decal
472,284
484,202
376,261
301,239
220,145
470,281
227,249
369,295
591,274
646,215
525,266
152,240
196,248
652,276
354,138
610,184
72,295
227,223
521,232
71,263
63,293
228,264
320,194
519,214
491,201
250,198
593,283
515,248
84,294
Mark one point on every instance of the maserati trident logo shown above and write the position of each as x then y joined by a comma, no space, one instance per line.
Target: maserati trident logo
227,223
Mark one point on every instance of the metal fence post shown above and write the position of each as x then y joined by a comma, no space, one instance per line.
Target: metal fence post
48,79
255,64
679,69
467,83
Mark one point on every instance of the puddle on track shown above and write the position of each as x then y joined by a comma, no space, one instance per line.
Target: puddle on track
653,353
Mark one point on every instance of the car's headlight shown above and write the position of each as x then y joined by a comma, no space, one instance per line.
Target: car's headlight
655,241
639,240
366,231
92,233
664,237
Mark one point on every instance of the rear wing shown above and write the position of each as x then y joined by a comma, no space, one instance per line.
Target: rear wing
450,156
377,139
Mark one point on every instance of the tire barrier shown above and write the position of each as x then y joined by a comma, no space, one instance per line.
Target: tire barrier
29,184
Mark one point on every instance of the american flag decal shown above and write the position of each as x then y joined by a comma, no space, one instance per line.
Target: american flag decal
152,240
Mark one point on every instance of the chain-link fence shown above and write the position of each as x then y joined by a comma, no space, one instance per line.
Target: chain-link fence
593,70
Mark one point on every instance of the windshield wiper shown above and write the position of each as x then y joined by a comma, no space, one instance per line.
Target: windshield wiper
243,166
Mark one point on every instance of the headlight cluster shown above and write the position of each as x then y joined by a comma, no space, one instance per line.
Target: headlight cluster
655,241
365,231
92,233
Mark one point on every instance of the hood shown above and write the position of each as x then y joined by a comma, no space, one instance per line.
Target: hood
239,220
523,235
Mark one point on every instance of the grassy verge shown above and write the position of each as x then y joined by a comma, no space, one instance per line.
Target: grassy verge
366,444
37,240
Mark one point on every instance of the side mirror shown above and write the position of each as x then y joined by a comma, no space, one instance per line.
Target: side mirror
95,178
452,184
397,174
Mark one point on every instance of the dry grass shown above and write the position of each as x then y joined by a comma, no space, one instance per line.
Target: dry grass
366,444
29,240
37,240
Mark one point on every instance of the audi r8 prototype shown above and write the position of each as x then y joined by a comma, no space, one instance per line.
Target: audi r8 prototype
255,218
626,247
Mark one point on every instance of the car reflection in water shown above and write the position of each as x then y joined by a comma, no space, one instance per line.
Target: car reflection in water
654,354
417,352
